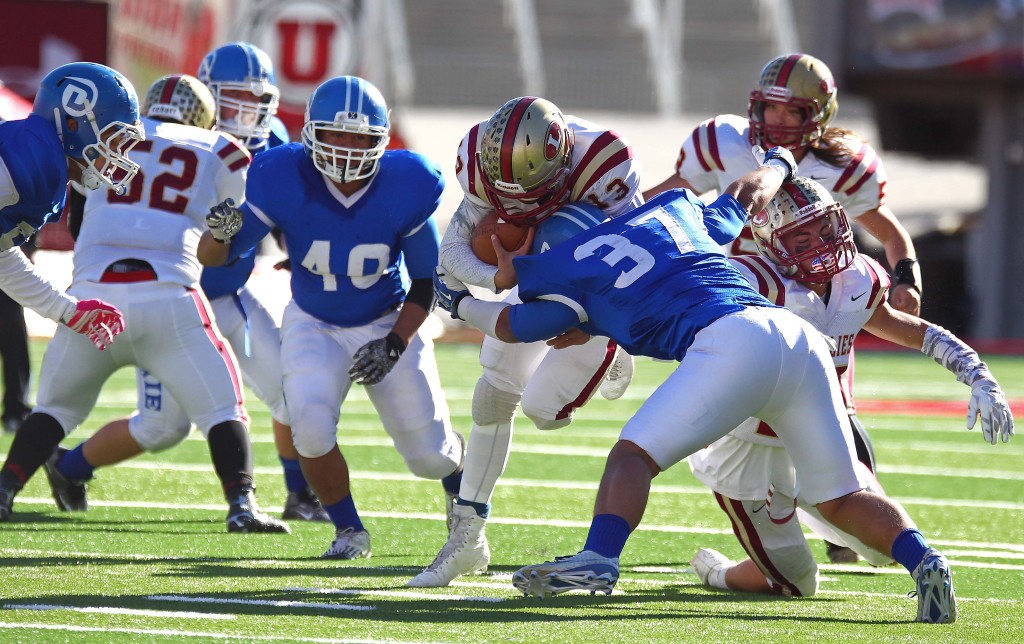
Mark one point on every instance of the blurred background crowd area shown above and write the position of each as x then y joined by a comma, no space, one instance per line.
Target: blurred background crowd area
936,85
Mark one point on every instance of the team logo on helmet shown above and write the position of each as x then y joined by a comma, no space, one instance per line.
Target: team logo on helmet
554,141
79,97
760,219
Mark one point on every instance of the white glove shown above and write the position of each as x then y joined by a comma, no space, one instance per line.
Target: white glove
224,220
988,401
777,158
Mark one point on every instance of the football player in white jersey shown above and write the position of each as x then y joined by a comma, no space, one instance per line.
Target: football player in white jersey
808,263
526,162
793,105
358,223
138,249
241,78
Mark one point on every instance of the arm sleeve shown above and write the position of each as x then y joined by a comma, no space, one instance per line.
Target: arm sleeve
724,219
19,280
254,228
419,248
541,320
456,253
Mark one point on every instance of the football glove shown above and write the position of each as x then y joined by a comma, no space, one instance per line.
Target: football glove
989,402
449,291
779,158
97,320
375,359
224,220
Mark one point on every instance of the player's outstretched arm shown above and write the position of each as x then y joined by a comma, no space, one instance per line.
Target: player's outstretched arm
987,400
755,189
674,182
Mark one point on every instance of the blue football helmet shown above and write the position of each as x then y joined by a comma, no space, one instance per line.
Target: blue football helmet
346,104
241,77
565,223
96,113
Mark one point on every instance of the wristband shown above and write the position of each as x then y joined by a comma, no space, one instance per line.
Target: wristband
908,272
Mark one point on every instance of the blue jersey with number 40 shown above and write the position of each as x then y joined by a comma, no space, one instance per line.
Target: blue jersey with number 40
649,279
347,254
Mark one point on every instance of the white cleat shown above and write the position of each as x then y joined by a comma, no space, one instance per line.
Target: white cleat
711,565
349,544
466,551
619,375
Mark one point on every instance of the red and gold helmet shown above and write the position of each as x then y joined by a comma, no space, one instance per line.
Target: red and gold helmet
524,159
804,231
182,99
794,80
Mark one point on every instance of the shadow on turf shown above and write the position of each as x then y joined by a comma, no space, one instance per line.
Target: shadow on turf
683,603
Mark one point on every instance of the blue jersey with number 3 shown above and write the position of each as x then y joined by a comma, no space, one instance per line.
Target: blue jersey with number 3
347,255
649,279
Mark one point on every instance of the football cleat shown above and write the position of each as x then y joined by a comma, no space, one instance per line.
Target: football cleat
6,502
710,566
619,375
838,554
69,495
466,551
936,601
586,570
349,544
304,506
245,516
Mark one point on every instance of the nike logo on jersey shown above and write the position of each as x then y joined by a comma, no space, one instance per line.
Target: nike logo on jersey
857,297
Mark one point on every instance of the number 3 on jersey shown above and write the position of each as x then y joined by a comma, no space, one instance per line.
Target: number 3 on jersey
366,263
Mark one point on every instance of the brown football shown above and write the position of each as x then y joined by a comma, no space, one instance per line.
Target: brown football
511,237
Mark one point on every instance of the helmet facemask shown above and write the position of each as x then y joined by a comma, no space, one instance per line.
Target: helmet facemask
250,116
341,163
527,207
111,151
793,137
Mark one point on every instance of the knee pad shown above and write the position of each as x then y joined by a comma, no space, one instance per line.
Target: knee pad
314,431
428,452
492,406
156,437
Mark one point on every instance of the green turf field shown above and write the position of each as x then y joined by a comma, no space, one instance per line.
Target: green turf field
151,560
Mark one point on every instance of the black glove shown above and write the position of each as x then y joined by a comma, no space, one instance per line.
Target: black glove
375,359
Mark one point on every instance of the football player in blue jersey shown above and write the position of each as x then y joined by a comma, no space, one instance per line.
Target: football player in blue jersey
241,78
655,281
358,226
84,121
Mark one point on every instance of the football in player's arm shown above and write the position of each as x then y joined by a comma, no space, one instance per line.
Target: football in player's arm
655,281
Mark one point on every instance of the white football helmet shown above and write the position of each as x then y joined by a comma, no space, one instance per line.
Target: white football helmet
804,231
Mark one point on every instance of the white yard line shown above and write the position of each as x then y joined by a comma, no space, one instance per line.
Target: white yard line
273,603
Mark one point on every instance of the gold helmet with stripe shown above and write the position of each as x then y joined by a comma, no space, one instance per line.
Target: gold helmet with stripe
793,80
804,231
180,98
524,160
